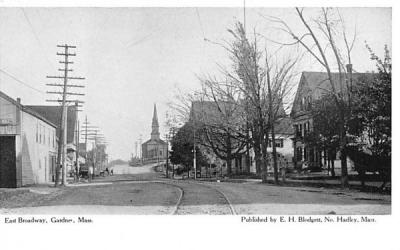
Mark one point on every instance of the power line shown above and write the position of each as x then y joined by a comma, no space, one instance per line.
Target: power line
201,24
36,36
64,113
20,81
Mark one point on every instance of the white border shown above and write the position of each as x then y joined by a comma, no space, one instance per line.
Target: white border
215,232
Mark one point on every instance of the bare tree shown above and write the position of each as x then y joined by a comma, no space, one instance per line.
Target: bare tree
247,104
264,88
218,121
331,26
279,84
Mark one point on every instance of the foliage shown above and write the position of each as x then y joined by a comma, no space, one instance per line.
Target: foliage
182,148
372,107
369,123
326,127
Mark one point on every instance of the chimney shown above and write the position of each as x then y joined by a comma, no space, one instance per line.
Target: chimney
19,100
349,68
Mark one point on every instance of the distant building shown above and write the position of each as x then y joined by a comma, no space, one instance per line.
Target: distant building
155,149
28,145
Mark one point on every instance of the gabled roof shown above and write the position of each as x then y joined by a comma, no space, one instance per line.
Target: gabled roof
316,84
212,113
27,109
53,114
284,126
159,141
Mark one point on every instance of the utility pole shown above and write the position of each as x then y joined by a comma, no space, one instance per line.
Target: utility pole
90,132
86,127
63,124
194,154
140,150
167,165
77,146
172,135
78,167
94,154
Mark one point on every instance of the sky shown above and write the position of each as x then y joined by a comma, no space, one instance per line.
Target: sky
133,58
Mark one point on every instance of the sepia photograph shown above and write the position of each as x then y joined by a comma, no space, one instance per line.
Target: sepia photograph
195,110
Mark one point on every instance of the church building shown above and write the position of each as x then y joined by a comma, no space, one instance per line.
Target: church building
155,149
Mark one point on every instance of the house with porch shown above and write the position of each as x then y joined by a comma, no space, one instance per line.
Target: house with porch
313,86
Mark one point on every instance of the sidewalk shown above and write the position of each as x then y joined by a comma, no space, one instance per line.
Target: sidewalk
44,188
315,179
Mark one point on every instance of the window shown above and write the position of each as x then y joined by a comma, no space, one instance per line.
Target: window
40,133
305,154
298,130
303,103
306,127
299,153
37,132
301,129
279,143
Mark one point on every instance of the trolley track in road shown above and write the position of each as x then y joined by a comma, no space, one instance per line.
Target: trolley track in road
221,193
186,189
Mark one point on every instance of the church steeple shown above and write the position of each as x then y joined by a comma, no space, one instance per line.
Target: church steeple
155,133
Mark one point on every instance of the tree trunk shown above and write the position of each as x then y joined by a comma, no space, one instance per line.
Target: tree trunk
264,160
248,162
229,167
362,178
325,160
343,157
257,154
344,178
229,156
274,160
332,167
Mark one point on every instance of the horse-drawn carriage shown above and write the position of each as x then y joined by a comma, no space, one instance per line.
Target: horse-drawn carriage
368,163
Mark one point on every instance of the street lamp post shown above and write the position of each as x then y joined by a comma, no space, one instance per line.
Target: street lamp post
194,149
167,165
171,136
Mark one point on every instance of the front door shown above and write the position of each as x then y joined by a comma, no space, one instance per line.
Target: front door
8,169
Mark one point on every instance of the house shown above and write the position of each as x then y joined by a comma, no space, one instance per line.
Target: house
218,115
28,146
154,149
313,86
221,119
53,114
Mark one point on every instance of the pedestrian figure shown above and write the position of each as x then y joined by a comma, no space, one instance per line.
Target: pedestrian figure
76,172
108,172
112,171
90,173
